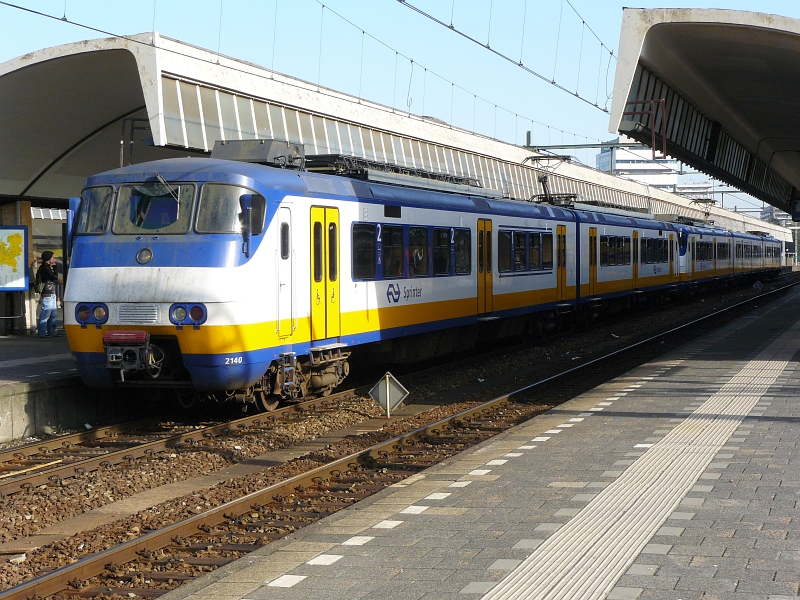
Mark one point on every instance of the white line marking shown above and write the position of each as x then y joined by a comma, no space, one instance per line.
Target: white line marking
414,510
479,472
437,496
358,540
324,559
387,524
286,581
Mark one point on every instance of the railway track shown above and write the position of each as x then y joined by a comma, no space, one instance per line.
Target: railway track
50,462
160,560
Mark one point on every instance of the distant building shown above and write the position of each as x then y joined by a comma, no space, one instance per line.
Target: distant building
637,164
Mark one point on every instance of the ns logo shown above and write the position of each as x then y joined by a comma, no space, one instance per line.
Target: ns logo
393,293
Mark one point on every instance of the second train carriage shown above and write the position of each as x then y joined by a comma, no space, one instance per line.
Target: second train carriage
246,282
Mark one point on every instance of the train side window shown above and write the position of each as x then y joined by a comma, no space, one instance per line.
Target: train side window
364,250
333,259
284,241
519,251
603,250
535,251
317,251
392,248
612,250
480,251
626,251
547,250
488,251
418,251
441,251
504,251
463,248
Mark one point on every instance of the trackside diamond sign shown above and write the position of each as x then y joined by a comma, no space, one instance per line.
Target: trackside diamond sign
388,393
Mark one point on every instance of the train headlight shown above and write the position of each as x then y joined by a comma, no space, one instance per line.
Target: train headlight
144,256
187,314
91,313
82,313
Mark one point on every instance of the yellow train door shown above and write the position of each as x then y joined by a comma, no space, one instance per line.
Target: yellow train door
324,273
485,304
635,260
592,260
561,257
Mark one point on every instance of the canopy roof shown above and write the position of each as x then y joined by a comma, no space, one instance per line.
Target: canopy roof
72,111
730,91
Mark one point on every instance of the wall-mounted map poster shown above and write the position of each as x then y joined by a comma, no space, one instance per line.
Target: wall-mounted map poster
14,259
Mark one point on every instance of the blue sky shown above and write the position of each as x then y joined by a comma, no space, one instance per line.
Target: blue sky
452,78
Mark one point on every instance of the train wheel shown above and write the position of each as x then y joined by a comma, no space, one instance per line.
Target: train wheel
186,398
266,402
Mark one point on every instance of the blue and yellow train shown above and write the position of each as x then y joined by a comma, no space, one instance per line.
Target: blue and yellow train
245,282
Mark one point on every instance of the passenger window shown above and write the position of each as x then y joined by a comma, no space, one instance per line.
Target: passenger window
441,251
603,251
463,243
418,251
534,252
317,251
626,250
547,250
504,251
488,251
333,262
480,252
364,250
284,241
519,251
392,247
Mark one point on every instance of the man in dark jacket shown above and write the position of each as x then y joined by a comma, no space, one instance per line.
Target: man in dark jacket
48,273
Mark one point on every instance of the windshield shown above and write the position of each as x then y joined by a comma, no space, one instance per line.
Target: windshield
154,208
93,212
219,209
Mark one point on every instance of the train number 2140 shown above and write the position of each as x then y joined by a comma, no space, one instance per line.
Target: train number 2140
233,360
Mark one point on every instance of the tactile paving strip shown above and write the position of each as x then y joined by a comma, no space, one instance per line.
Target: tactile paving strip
591,552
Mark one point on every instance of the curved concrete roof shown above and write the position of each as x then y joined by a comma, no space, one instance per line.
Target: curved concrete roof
738,70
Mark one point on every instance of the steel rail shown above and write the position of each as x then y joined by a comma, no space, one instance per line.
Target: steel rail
12,484
90,566
67,440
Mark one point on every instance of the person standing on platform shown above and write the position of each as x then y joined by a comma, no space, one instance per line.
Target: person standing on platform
48,308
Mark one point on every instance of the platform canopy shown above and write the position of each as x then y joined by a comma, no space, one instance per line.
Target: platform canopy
723,85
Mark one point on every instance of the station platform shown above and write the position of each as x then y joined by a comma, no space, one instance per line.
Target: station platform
678,480
27,358
42,394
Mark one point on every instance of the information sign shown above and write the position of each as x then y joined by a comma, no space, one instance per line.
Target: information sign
14,258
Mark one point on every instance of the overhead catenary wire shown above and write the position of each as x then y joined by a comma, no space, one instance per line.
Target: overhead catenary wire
551,81
234,68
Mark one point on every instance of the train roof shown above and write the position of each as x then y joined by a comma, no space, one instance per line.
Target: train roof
292,181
